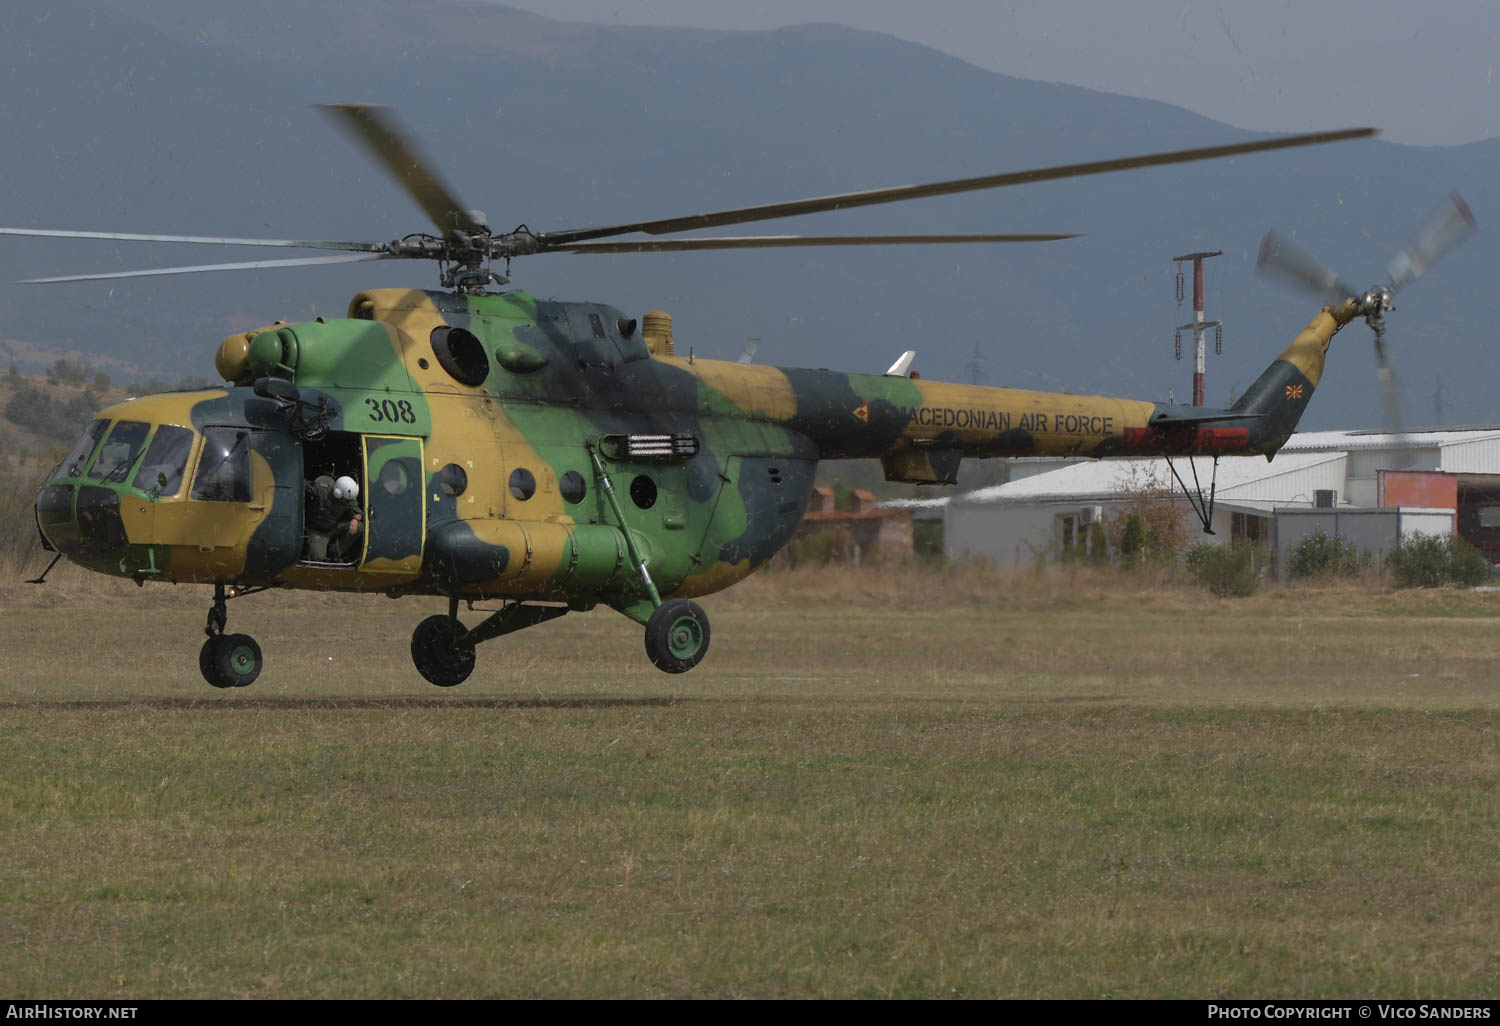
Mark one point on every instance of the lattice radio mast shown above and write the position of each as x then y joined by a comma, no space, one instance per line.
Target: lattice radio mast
1197,325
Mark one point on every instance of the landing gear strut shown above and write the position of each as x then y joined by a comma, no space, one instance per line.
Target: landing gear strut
227,660
443,648
677,630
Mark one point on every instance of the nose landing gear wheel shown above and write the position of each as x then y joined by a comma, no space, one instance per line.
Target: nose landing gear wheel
438,657
230,660
677,636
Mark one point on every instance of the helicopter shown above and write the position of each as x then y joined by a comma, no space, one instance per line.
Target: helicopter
555,456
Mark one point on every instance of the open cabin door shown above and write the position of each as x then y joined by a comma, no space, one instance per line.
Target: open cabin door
394,511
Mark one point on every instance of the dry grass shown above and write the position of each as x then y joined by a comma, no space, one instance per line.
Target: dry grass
903,784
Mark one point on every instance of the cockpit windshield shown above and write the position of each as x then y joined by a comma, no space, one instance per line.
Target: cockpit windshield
224,467
119,451
166,458
79,457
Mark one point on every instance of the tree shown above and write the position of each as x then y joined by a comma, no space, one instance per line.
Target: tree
1151,514
68,372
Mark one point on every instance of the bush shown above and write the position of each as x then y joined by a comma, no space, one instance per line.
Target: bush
927,539
1467,567
1229,571
68,372
53,419
1318,555
1132,540
1098,547
18,535
1433,561
815,549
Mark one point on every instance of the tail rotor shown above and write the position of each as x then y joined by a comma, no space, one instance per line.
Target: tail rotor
1282,259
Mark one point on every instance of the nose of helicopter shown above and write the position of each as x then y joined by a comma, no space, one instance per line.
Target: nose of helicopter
81,521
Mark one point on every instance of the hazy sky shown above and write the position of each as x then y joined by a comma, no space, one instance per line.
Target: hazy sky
1422,71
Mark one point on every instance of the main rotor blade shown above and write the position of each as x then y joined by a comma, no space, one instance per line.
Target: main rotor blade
379,133
844,201
1284,259
780,241
212,240
349,258
1450,225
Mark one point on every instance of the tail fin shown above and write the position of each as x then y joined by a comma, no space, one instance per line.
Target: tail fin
1280,395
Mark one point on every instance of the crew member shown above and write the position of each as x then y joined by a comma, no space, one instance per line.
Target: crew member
334,519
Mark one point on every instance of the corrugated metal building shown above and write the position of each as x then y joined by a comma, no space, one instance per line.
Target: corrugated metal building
1050,505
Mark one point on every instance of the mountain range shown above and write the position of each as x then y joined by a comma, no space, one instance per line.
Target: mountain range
196,118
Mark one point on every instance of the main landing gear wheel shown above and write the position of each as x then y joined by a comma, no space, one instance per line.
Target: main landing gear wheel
677,636
227,660
230,660
438,657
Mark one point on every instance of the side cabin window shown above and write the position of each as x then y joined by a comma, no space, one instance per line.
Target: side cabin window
224,468
79,457
167,458
119,451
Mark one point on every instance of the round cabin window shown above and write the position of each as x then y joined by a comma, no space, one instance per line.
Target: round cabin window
394,478
572,486
643,492
452,480
522,483
460,354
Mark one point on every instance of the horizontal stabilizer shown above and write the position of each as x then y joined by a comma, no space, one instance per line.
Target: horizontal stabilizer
1195,415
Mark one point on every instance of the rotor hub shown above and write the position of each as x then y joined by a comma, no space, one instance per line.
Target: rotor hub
1377,300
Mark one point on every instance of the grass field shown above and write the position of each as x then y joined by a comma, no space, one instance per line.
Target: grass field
903,785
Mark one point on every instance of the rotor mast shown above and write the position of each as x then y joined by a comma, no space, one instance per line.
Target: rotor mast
1198,325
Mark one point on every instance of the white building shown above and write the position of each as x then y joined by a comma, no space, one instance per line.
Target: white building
1371,487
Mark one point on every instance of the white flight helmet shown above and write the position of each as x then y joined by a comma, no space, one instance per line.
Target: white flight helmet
345,489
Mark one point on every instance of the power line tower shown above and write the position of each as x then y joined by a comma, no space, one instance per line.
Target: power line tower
976,366
1197,325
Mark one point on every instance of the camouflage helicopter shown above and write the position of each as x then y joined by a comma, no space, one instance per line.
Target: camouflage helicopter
554,456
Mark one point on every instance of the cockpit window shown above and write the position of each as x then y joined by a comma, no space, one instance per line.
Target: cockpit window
79,457
224,467
166,457
120,450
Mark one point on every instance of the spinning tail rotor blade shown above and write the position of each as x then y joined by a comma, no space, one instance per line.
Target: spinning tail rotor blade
1390,400
1450,225
1281,258
1385,375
